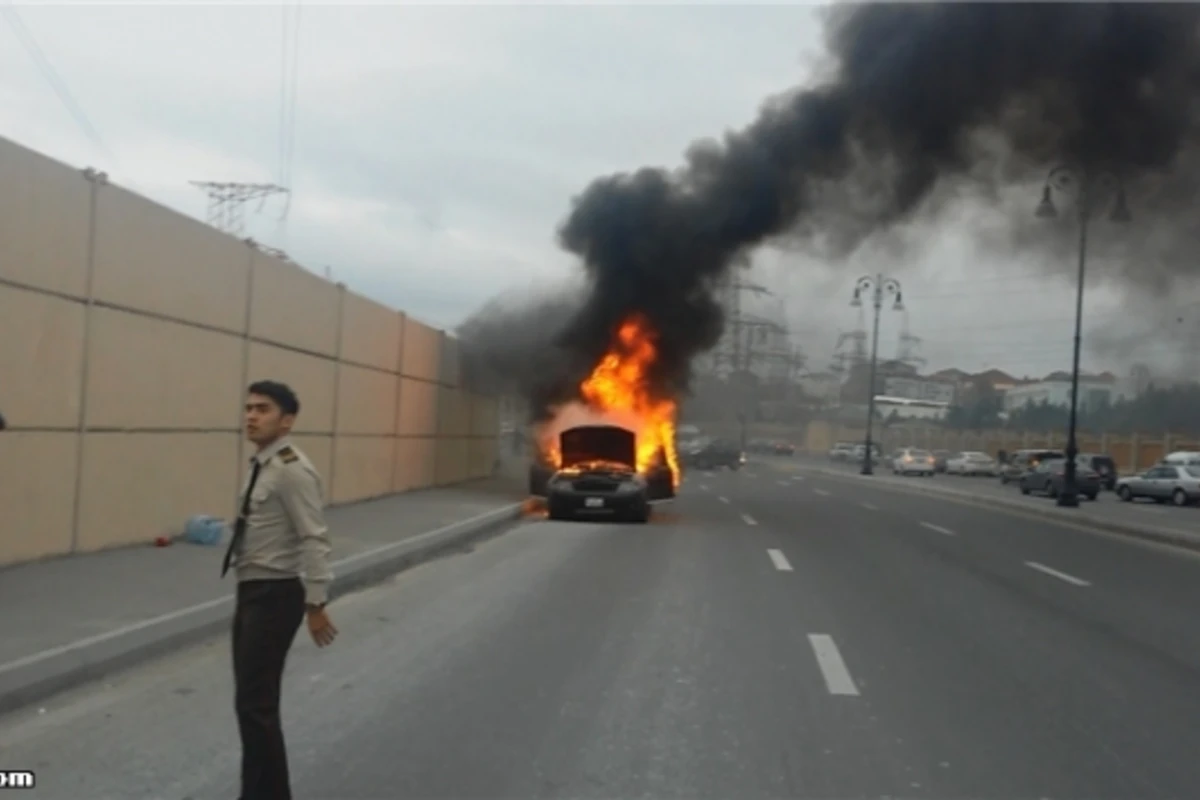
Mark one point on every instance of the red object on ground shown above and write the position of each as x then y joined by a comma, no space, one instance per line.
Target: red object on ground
161,541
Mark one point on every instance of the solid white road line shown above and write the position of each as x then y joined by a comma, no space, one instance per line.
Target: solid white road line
749,520
937,528
779,560
1062,576
821,492
723,499
868,507
837,677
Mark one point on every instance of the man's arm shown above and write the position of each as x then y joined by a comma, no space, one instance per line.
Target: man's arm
302,498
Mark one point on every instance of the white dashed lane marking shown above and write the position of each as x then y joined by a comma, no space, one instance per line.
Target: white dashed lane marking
868,507
821,492
833,668
937,529
749,520
1062,576
779,560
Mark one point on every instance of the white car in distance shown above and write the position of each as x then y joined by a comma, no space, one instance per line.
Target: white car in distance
913,461
972,462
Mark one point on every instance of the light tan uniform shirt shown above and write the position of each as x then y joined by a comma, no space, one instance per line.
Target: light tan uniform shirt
286,535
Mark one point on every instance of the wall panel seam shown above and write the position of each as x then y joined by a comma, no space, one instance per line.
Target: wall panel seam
89,306
337,386
151,429
42,290
371,367
246,321
397,403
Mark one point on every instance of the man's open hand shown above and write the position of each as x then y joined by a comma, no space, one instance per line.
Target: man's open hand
320,627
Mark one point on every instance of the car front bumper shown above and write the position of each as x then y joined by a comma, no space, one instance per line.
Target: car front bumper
567,501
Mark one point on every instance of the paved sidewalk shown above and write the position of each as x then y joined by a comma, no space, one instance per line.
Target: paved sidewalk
71,619
1175,526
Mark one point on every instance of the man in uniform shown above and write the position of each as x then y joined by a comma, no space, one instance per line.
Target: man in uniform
281,548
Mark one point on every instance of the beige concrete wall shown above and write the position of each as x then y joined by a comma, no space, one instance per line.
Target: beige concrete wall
128,334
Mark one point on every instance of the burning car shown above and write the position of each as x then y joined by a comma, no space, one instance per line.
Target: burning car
597,476
611,450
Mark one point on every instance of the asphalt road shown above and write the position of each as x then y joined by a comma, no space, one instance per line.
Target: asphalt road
770,636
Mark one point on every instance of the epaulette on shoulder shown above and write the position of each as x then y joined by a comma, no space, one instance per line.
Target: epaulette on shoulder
288,456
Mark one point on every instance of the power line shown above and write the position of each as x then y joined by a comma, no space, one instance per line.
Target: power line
55,80
289,73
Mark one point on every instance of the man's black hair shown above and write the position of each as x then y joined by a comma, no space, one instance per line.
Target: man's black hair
281,393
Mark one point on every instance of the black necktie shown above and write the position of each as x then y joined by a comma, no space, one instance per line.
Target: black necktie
239,527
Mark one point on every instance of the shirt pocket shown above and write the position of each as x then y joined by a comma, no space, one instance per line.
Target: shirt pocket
261,496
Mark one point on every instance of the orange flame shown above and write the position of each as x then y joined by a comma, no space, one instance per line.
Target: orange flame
618,390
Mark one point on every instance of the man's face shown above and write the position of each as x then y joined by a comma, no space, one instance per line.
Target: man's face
265,420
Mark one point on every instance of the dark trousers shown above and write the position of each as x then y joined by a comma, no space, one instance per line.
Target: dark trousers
265,622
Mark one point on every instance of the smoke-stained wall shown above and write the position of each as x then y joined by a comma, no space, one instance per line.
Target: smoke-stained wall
128,334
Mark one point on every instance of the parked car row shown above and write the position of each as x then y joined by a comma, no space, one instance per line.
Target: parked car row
1176,479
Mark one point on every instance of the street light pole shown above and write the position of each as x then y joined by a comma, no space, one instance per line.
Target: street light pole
1085,185
878,286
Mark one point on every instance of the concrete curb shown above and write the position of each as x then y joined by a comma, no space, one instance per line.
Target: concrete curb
33,678
1159,536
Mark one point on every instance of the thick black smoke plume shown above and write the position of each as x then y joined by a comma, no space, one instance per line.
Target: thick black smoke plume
914,90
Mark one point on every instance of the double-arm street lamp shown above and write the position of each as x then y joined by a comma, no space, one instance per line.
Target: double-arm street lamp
878,286
1088,187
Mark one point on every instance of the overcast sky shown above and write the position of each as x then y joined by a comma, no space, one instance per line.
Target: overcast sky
436,149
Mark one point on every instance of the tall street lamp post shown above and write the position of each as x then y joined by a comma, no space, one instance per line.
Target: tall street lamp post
1086,186
878,286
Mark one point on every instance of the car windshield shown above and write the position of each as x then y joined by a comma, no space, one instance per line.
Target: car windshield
1190,472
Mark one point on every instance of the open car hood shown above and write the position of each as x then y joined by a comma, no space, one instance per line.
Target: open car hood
598,443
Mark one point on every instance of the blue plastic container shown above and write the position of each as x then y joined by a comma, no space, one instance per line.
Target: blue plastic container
205,530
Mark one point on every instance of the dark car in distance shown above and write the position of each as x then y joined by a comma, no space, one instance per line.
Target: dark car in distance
714,453
1048,477
1105,467
597,477
1022,461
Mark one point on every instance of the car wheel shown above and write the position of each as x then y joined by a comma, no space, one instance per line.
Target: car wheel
1125,493
1180,497
1024,490
1091,496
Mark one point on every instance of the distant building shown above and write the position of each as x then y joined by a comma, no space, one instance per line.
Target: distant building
1055,390
919,388
969,387
901,380
823,386
909,409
